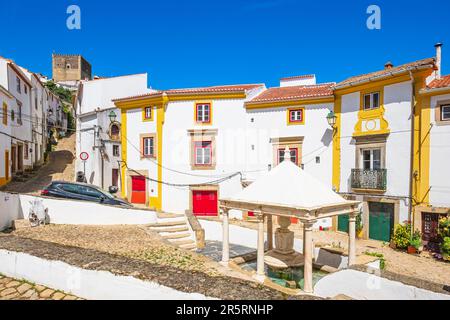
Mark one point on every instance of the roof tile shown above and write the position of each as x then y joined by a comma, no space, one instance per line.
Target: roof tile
294,92
443,82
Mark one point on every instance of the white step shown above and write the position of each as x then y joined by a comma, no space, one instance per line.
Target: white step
166,224
176,236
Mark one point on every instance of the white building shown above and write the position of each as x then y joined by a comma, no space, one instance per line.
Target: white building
98,132
17,83
39,107
7,104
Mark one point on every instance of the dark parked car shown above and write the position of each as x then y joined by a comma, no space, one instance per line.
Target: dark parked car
83,191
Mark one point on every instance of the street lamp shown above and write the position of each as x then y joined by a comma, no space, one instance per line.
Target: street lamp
331,118
112,116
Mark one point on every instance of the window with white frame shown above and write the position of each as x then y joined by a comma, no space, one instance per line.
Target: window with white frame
203,153
148,144
293,154
18,85
148,113
371,100
296,115
445,112
203,112
371,159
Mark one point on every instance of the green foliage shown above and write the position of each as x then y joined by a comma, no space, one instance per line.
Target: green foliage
444,227
416,240
402,235
62,93
378,255
359,224
445,248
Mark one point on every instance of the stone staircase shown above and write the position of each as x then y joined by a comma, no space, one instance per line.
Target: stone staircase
174,228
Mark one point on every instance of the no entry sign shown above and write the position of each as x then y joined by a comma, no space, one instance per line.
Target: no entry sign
84,156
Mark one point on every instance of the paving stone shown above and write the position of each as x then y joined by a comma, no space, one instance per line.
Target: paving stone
11,296
5,280
47,293
29,294
12,284
24,287
70,297
39,288
7,292
58,296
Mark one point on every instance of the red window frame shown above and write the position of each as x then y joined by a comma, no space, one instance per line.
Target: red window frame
291,111
203,113
202,145
290,149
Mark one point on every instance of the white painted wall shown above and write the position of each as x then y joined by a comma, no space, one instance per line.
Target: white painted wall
88,213
98,93
5,141
364,286
87,284
290,82
93,106
397,103
439,158
10,209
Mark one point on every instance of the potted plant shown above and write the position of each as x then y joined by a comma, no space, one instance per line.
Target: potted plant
359,226
415,242
401,236
444,233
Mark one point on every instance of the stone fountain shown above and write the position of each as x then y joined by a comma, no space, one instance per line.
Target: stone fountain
283,256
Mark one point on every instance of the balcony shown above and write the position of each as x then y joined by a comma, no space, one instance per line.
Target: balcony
375,180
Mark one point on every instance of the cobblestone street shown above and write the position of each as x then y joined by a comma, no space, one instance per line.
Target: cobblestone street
12,289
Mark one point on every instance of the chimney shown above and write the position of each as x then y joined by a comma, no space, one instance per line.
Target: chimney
438,47
388,65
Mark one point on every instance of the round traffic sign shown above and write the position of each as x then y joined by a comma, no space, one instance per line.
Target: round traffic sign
84,156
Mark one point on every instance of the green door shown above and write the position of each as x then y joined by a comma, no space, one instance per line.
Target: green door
343,223
381,218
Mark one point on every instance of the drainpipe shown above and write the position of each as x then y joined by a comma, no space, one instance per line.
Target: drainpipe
411,171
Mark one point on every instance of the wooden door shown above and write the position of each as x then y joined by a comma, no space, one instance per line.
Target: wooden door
381,218
20,158
138,189
204,202
13,159
115,177
430,225
6,165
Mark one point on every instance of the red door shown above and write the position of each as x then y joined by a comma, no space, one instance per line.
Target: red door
138,189
204,203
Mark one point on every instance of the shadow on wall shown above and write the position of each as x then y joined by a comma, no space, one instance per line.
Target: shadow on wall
327,137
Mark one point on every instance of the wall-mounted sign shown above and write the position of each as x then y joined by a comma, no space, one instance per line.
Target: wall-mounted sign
84,156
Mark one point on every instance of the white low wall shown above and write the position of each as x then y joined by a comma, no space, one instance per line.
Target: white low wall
10,209
364,286
62,211
87,284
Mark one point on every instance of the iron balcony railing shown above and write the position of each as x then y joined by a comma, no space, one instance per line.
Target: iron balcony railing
369,179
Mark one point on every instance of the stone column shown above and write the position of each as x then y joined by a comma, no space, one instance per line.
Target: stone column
225,238
307,273
260,259
269,232
351,238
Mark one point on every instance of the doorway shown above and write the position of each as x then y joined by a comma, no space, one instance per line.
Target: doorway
20,157
13,160
381,221
138,189
6,165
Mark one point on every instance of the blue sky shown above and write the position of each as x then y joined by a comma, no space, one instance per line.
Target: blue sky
207,42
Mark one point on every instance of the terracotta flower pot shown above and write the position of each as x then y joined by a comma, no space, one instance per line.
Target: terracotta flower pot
412,250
